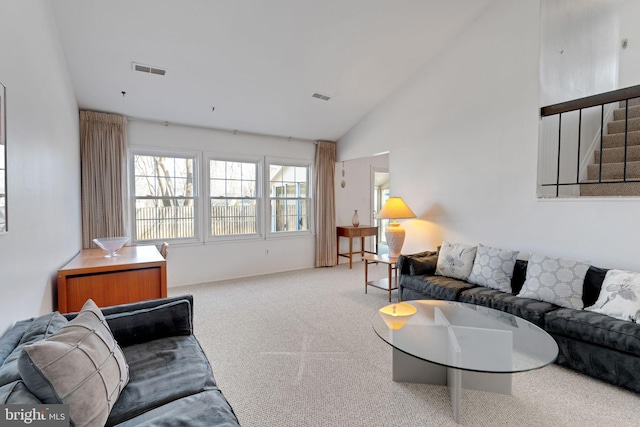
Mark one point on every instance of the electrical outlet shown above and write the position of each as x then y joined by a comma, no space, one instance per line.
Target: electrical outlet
266,251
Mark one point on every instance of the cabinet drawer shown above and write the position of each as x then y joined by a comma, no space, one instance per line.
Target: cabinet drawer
112,288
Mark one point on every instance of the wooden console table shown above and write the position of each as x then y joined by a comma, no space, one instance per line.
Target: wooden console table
349,231
138,273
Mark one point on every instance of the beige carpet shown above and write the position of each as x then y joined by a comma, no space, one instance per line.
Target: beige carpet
297,349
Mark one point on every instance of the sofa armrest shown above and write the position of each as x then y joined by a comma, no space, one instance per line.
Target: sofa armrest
418,263
144,321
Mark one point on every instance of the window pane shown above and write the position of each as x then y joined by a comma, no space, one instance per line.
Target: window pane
289,203
248,189
164,205
156,221
289,215
217,169
233,203
234,170
218,188
234,189
233,217
249,171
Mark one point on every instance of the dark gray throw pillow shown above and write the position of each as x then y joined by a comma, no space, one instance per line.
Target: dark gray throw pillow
80,365
423,263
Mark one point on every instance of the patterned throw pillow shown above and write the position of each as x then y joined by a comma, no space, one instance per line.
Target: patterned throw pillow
555,280
619,296
80,365
493,268
455,260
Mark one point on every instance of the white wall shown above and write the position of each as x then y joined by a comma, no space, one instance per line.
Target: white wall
464,154
579,49
356,194
630,30
197,263
43,161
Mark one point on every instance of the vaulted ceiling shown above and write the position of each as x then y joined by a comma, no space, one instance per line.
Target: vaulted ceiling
252,65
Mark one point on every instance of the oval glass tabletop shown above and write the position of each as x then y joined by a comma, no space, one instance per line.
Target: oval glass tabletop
469,337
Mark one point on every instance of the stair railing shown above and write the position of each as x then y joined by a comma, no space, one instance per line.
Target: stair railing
578,105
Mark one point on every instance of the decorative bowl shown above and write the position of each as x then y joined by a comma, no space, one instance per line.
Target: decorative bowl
111,245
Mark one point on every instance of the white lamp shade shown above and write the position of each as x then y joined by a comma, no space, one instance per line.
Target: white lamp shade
395,208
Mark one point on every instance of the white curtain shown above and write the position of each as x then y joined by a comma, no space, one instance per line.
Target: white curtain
103,153
325,166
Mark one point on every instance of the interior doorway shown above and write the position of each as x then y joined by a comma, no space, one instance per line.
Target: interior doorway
380,194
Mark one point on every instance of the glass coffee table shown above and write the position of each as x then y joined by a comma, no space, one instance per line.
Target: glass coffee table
464,346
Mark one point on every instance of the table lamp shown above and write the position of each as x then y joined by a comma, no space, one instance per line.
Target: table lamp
395,208
396,315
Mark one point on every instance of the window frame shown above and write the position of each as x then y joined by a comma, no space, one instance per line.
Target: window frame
259,161
279,161
196,197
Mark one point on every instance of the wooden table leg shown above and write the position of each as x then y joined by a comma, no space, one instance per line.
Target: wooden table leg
390,281
366,275
350,252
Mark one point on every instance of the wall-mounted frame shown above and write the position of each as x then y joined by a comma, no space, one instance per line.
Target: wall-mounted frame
3,160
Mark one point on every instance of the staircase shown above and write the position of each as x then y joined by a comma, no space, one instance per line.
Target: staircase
613,168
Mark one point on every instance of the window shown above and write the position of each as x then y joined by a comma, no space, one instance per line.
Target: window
289,197
165,196
233,196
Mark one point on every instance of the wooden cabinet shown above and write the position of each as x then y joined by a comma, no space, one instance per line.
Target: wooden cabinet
138,273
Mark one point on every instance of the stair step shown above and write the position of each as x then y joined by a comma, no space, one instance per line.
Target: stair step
613,171
610,190
619,114
634,101
618,126
616,155
617,140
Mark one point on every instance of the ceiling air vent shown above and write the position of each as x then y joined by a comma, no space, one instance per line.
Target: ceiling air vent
148,69
321,96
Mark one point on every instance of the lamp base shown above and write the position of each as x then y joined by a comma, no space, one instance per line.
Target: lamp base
395,239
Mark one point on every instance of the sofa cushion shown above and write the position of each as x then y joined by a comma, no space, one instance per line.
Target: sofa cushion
493,268
595,328
436,287
592,285
17,393
161,371
519,276
150,323
455,260
423,263
22,334
555,280
529,309
479,296
619,296
207,408
80,365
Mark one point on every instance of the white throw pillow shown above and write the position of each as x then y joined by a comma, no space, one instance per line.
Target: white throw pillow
455,260
493,268
555,280
619,296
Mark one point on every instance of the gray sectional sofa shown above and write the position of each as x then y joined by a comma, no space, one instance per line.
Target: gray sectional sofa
591,343
170,381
